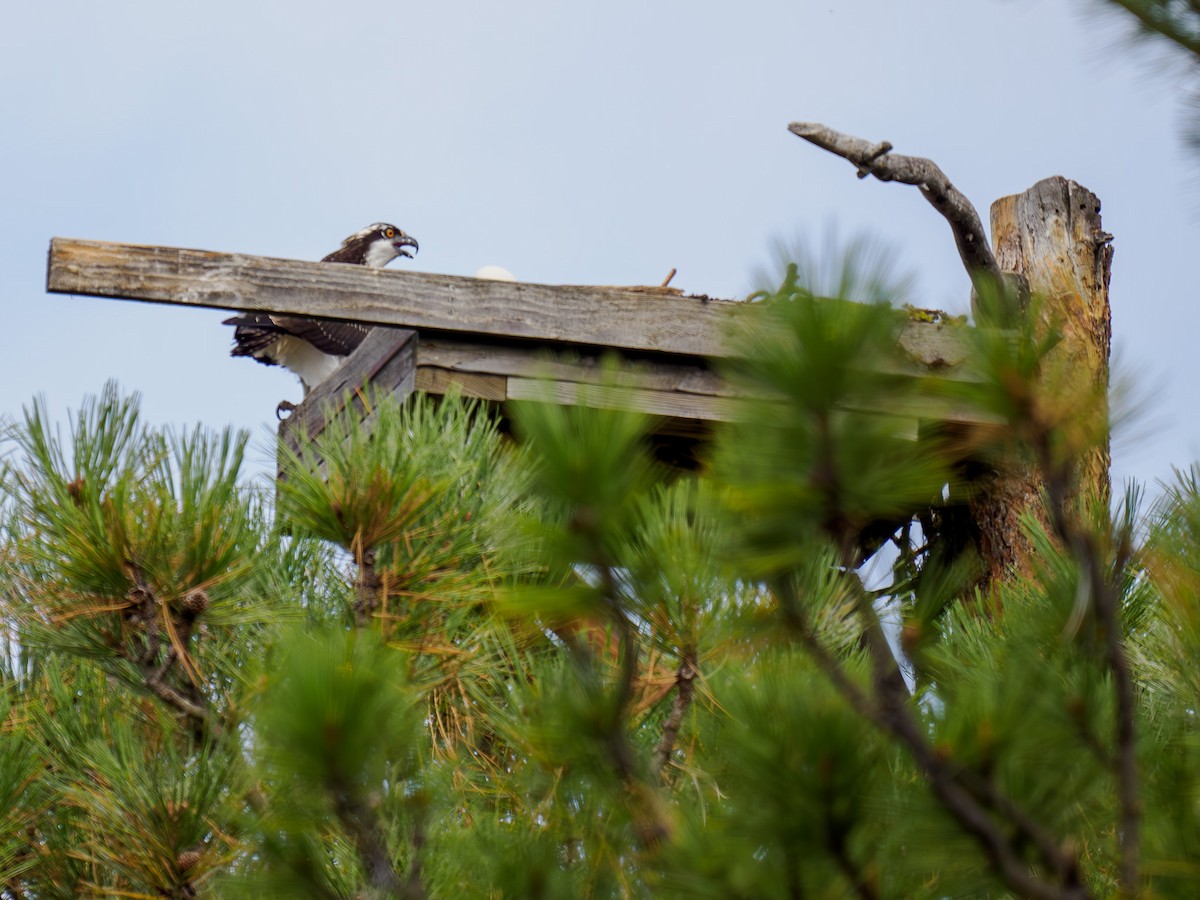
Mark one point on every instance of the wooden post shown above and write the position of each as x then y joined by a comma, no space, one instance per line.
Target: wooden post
1051,236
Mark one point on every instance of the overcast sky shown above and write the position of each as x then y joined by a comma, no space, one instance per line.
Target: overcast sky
594,143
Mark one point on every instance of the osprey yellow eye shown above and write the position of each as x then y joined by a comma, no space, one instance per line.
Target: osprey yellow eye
388,233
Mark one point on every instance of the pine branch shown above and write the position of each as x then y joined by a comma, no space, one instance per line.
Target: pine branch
1083,549
648,818
971,808
862,885
366,832
145,611
1165,19
370,588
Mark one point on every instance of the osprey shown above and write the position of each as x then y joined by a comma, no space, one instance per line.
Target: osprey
313,348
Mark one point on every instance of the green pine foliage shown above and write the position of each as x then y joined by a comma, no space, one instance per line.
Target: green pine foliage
435,660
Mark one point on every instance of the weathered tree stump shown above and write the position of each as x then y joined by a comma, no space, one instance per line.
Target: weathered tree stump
1051,236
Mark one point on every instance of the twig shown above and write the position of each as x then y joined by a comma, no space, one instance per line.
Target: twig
649,819
878,160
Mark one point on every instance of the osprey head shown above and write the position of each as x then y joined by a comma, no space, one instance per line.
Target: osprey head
375,246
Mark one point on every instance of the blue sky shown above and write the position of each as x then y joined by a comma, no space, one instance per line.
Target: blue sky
593,143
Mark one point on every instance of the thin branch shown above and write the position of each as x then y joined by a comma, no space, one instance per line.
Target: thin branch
891,714
414,886
1126,737
1104,598
649,818
628,649
864,889
370,588
878,160
145,607
366,831
685,688
155,681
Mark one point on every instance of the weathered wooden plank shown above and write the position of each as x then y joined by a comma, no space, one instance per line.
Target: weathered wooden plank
674,389
434,380
385,360
930,347
693,406
533,362
595,316
937,346
674,405
659,403
633,319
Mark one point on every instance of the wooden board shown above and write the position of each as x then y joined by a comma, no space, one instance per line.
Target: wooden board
646,320
678,389
488,339
385,360
658,321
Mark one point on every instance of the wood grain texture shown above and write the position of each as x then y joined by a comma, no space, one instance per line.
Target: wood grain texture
433,380
651,320
489,339
657,321
1051,236
662,374
673,389
659,403
384,364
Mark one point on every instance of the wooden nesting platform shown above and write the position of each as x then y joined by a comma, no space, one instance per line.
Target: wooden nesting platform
493,340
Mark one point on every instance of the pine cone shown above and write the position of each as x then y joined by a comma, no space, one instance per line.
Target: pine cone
188,859
196,602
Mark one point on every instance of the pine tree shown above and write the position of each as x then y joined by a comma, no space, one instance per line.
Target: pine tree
437,661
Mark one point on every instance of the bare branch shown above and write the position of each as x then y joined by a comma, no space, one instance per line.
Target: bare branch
878,160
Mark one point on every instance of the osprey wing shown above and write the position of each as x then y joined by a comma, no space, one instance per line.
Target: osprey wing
255,332
327,335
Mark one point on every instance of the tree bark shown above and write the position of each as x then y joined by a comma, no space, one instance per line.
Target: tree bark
1051,236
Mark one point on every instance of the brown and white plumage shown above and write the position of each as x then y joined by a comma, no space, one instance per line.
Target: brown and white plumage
313,348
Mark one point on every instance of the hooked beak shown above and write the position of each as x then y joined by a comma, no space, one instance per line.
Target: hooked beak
401,241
